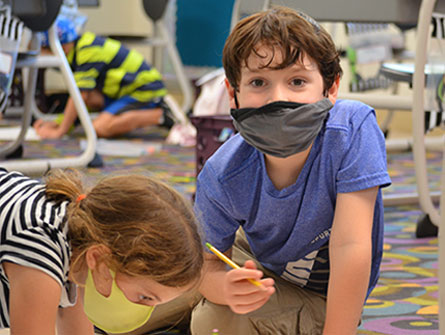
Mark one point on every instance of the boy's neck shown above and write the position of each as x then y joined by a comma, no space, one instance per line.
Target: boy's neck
284,172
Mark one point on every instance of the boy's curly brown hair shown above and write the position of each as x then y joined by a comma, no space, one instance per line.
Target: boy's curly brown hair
293,33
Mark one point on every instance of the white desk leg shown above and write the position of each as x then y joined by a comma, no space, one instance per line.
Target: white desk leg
423,32
184,82
423,25
441,252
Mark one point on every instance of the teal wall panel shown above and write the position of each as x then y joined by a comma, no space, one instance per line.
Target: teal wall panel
201,29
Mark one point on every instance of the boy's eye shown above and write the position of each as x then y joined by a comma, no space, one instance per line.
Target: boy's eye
297,82
257,82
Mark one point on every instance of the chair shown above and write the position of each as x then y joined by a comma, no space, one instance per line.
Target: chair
161,40
373,43
155,10
32,61
433,117
438,218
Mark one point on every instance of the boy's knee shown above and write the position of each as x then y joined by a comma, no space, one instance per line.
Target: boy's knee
104,125
103,131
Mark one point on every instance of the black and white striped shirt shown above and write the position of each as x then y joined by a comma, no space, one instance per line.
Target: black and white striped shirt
33,233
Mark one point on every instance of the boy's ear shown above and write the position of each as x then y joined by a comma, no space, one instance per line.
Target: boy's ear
333,91
231,92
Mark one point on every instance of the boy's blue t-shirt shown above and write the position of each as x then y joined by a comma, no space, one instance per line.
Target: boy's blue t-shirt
288,230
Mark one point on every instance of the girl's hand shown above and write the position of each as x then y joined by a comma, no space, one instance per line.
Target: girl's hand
241,295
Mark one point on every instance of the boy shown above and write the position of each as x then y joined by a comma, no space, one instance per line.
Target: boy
113,80
296,194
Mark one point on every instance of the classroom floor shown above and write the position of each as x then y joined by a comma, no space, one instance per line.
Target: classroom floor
405,300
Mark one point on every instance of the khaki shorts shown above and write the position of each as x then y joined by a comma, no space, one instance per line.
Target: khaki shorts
291,310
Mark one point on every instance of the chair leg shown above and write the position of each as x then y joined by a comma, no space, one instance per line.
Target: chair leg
36,112
26,118
184,82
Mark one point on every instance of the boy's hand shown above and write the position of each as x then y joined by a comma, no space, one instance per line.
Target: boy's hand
241,295
47,129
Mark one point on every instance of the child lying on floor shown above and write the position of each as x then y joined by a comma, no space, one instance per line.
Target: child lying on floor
115,81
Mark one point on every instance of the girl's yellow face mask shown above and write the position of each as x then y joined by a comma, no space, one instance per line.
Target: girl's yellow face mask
113,314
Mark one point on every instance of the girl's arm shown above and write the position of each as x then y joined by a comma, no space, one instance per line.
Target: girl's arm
72,320
350,249
33,301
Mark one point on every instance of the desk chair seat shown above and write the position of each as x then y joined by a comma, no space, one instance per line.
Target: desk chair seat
404,73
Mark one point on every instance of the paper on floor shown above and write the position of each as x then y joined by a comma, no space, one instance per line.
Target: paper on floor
124,148
11,133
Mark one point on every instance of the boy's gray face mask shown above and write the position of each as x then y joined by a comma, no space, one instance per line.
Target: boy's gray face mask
281,128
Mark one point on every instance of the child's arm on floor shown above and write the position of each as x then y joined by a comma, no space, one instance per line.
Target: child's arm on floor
50,129
33,301
350,249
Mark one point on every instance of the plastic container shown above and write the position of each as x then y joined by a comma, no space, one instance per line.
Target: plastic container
435,70
212,132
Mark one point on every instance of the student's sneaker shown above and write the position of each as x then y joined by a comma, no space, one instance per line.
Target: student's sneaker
16,154
425,228
96,162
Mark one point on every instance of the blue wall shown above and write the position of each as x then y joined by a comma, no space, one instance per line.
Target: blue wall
201,29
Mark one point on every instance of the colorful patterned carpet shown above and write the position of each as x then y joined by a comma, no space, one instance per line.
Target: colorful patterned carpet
405,300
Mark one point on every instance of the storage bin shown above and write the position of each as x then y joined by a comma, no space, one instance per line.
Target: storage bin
212,132
8,55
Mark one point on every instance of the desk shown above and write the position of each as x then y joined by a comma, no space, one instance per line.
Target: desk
394,11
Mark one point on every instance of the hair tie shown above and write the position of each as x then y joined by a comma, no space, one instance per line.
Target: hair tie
81,197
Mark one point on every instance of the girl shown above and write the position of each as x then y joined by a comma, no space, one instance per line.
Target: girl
106,256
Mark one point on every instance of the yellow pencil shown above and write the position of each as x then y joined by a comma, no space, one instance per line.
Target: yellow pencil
231,263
